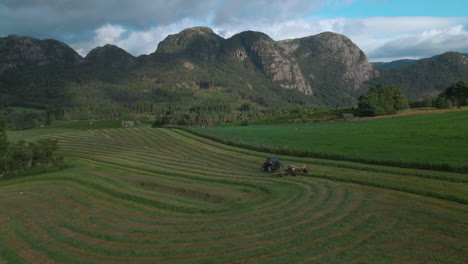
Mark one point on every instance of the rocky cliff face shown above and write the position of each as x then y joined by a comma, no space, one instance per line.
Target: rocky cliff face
306,64
342,49
272,60
18,51
330,56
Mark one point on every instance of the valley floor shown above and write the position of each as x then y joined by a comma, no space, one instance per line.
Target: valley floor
144,195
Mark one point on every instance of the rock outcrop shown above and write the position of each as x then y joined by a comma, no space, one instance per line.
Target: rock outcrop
330,56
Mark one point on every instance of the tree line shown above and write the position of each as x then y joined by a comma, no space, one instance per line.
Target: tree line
19,156
454,96
386,100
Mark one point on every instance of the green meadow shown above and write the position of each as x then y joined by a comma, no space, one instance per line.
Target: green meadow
439,140
145,195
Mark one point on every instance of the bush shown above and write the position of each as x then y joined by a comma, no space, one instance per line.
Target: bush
442,103
160,122
19,156
381,100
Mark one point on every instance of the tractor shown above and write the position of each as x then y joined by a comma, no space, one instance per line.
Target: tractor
274,166
271,164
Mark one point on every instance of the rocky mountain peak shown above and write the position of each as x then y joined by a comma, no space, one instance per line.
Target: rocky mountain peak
249,37
199,42
110,56
198,31
336,49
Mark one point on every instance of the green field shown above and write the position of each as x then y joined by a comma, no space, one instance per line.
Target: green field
439,139
27,110
144,195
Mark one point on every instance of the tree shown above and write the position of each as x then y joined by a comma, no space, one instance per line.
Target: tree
19,156
162,121
245,107
381,100
43,151
428,101
3,147
442,103
457,93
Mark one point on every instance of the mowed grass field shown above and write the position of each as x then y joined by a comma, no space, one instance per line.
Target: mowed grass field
144,195
439,139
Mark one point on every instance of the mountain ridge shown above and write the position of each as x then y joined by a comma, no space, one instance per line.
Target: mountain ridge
323,69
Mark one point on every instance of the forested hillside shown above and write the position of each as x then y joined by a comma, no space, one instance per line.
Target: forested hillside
428,77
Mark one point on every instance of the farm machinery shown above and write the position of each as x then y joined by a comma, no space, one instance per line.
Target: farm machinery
274,166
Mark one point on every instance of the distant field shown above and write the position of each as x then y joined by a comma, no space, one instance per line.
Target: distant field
86,124
439,138
26,110
144,195
63,127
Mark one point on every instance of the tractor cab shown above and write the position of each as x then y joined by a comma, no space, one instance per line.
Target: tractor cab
271,164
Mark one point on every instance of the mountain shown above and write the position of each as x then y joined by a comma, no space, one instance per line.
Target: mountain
428,76
18,51
198,42
34,72
197,69
332,64
327,68
395,64
110,56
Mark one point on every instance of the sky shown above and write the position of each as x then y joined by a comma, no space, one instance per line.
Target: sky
385,30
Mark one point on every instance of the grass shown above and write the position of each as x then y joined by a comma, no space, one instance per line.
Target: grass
27,110
87,125
437,140
145,195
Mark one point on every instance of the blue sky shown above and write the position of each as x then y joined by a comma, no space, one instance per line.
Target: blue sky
396,8
384,29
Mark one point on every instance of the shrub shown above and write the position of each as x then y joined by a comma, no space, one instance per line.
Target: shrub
381,100
442,103
160,122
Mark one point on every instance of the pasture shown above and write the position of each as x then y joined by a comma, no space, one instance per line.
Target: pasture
430,140
144,195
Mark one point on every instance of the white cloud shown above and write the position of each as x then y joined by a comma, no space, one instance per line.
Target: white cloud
423,44
108,34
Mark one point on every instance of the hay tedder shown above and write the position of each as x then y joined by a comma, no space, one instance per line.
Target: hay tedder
274,166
